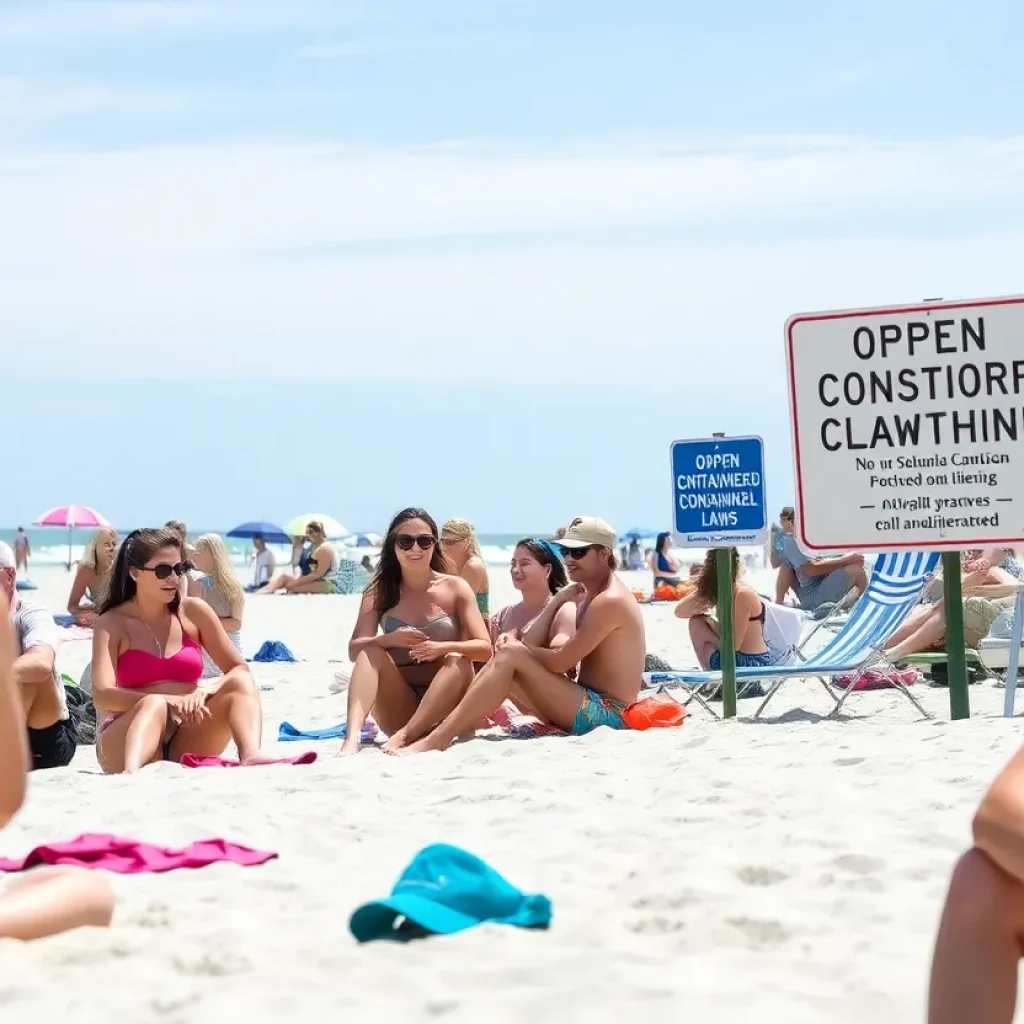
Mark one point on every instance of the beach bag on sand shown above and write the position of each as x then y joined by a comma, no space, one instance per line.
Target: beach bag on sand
660,711
83,714
672,591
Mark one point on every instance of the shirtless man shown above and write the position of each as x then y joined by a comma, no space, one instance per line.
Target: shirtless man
52,736
609,647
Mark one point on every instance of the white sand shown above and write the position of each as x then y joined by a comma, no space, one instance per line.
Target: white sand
788,870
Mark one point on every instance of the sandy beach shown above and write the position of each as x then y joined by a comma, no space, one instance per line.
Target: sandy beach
790,869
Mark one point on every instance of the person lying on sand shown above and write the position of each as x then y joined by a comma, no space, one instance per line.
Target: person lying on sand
52,737
413,671
47,900
147,659
981,934
608,645
90,575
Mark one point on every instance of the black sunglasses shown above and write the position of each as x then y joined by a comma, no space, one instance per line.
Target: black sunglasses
407,542
577,553
163,570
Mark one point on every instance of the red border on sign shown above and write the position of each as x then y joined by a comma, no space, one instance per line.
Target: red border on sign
791,375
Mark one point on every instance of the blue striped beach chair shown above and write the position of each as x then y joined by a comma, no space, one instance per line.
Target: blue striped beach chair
894,590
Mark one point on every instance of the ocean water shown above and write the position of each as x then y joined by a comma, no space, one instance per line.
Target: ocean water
50,547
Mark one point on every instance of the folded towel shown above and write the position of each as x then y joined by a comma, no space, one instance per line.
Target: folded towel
287,732
273,650
130,857
195,761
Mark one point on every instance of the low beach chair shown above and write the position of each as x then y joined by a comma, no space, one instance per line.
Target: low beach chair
893,592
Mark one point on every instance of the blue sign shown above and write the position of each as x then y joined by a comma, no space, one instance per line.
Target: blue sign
718,497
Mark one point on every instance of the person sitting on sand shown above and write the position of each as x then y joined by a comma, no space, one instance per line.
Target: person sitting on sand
52,737
323,568
981,933
263,563
92,570
220,589
48,900
418,633
821,581
748,616
538,573
663,564
463,552
147,659
608,645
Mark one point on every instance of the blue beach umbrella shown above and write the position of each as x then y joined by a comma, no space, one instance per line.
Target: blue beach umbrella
639,533
271,532
364,540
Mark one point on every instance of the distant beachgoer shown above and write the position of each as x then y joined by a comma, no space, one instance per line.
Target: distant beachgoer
980,940
663,564
323,568
48,900
178,527
821,580
608,645
748,618
263,563
785,578
87,586
22,550
463,551
220,589
147,660
634,556
418,634
366,564
52,737
301,550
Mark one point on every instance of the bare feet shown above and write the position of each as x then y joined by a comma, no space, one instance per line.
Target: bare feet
352,745
431,742
396,742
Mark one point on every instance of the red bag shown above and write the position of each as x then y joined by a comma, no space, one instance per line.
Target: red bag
657,712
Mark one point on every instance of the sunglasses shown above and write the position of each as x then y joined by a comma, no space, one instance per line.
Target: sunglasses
576,554
407,542
163,570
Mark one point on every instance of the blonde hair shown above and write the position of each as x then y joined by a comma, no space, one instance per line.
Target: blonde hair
90,556
462,529
222,576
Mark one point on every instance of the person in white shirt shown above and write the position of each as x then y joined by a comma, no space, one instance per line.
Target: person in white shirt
263,563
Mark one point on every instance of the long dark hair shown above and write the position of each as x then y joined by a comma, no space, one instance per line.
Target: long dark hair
135,551
659,544
546,555
386,583
707,581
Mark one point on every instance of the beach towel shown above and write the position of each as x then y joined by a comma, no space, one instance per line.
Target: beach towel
288,733
64,620
69,633
130,857
446,890
273,650
513,723
195,761
878,679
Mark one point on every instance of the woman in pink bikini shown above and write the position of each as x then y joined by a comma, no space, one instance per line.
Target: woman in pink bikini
147,660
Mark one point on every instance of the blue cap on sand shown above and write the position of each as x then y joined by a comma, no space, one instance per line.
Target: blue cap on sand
446,890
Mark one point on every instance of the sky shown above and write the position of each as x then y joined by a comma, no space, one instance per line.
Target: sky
260,257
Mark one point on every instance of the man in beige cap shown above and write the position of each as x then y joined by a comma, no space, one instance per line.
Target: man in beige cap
608,645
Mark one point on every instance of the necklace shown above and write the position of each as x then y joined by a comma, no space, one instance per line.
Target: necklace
149,628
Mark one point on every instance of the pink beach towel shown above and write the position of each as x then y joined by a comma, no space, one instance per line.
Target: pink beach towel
877,679
194,761
512,722
130,857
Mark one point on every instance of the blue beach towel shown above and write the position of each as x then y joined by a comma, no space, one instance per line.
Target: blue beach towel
25,585
273,650
64,620
287,732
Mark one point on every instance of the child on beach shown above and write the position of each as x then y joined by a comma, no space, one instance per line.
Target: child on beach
48,900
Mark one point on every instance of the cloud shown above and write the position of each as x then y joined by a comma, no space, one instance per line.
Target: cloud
467,263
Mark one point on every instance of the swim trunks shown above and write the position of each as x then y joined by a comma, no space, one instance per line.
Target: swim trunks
53,746
597,710
742,660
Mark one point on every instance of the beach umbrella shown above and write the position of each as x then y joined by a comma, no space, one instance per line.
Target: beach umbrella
297,527
639,533
271,532
70,517
364,540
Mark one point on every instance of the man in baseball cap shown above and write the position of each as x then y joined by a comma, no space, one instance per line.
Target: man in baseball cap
52,737
587,681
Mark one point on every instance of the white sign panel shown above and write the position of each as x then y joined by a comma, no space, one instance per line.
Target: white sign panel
908,426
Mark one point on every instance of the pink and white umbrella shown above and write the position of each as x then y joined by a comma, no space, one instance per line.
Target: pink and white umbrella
70,517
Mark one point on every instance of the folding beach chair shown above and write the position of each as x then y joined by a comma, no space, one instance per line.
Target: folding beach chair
893,592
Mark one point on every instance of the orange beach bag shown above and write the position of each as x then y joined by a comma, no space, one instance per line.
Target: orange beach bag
657,712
